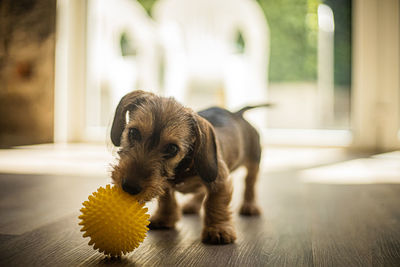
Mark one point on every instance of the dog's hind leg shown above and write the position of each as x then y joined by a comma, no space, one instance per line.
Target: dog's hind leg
249,206
168,212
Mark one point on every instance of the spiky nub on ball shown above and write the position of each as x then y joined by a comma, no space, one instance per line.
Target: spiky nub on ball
114,220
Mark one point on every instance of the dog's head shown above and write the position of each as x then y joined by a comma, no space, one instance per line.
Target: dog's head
158,137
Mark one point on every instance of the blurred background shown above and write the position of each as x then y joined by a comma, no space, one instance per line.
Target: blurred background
331,159
330,66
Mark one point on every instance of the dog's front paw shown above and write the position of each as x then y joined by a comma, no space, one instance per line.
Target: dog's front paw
161,224
219,235
250,209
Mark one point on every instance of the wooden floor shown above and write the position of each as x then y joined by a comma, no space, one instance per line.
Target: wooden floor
303,224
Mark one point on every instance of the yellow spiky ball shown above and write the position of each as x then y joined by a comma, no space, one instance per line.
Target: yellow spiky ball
114,220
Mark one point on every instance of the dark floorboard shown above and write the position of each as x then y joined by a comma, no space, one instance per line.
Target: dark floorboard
303,224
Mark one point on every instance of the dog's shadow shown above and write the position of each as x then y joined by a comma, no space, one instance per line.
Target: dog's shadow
164,238
116,261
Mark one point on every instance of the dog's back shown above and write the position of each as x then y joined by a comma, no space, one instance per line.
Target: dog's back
239,140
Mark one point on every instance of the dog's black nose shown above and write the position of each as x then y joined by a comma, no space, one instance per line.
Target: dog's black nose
131,189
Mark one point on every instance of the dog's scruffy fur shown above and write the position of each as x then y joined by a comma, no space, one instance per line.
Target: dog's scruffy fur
165,146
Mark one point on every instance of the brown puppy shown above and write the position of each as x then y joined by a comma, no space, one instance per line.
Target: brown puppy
165,146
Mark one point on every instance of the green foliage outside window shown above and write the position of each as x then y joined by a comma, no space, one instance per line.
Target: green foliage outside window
293,55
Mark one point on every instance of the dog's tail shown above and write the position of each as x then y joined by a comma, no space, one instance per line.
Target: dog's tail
243,110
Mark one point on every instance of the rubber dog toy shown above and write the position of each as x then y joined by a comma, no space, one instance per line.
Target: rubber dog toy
114,220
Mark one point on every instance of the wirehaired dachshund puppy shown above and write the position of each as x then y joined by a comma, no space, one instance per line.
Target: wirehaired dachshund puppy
165,147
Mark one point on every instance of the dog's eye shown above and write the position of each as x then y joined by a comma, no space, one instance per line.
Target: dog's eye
134,135
171,150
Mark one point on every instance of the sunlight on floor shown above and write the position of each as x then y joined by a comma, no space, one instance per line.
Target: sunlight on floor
382,168
288,158
89,159
63,159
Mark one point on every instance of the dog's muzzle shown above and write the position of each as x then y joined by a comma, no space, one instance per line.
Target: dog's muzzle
130,188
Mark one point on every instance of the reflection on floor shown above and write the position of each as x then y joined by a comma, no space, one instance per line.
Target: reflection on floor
306,221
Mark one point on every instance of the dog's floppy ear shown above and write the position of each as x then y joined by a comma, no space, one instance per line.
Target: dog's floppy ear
128,102
205,150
